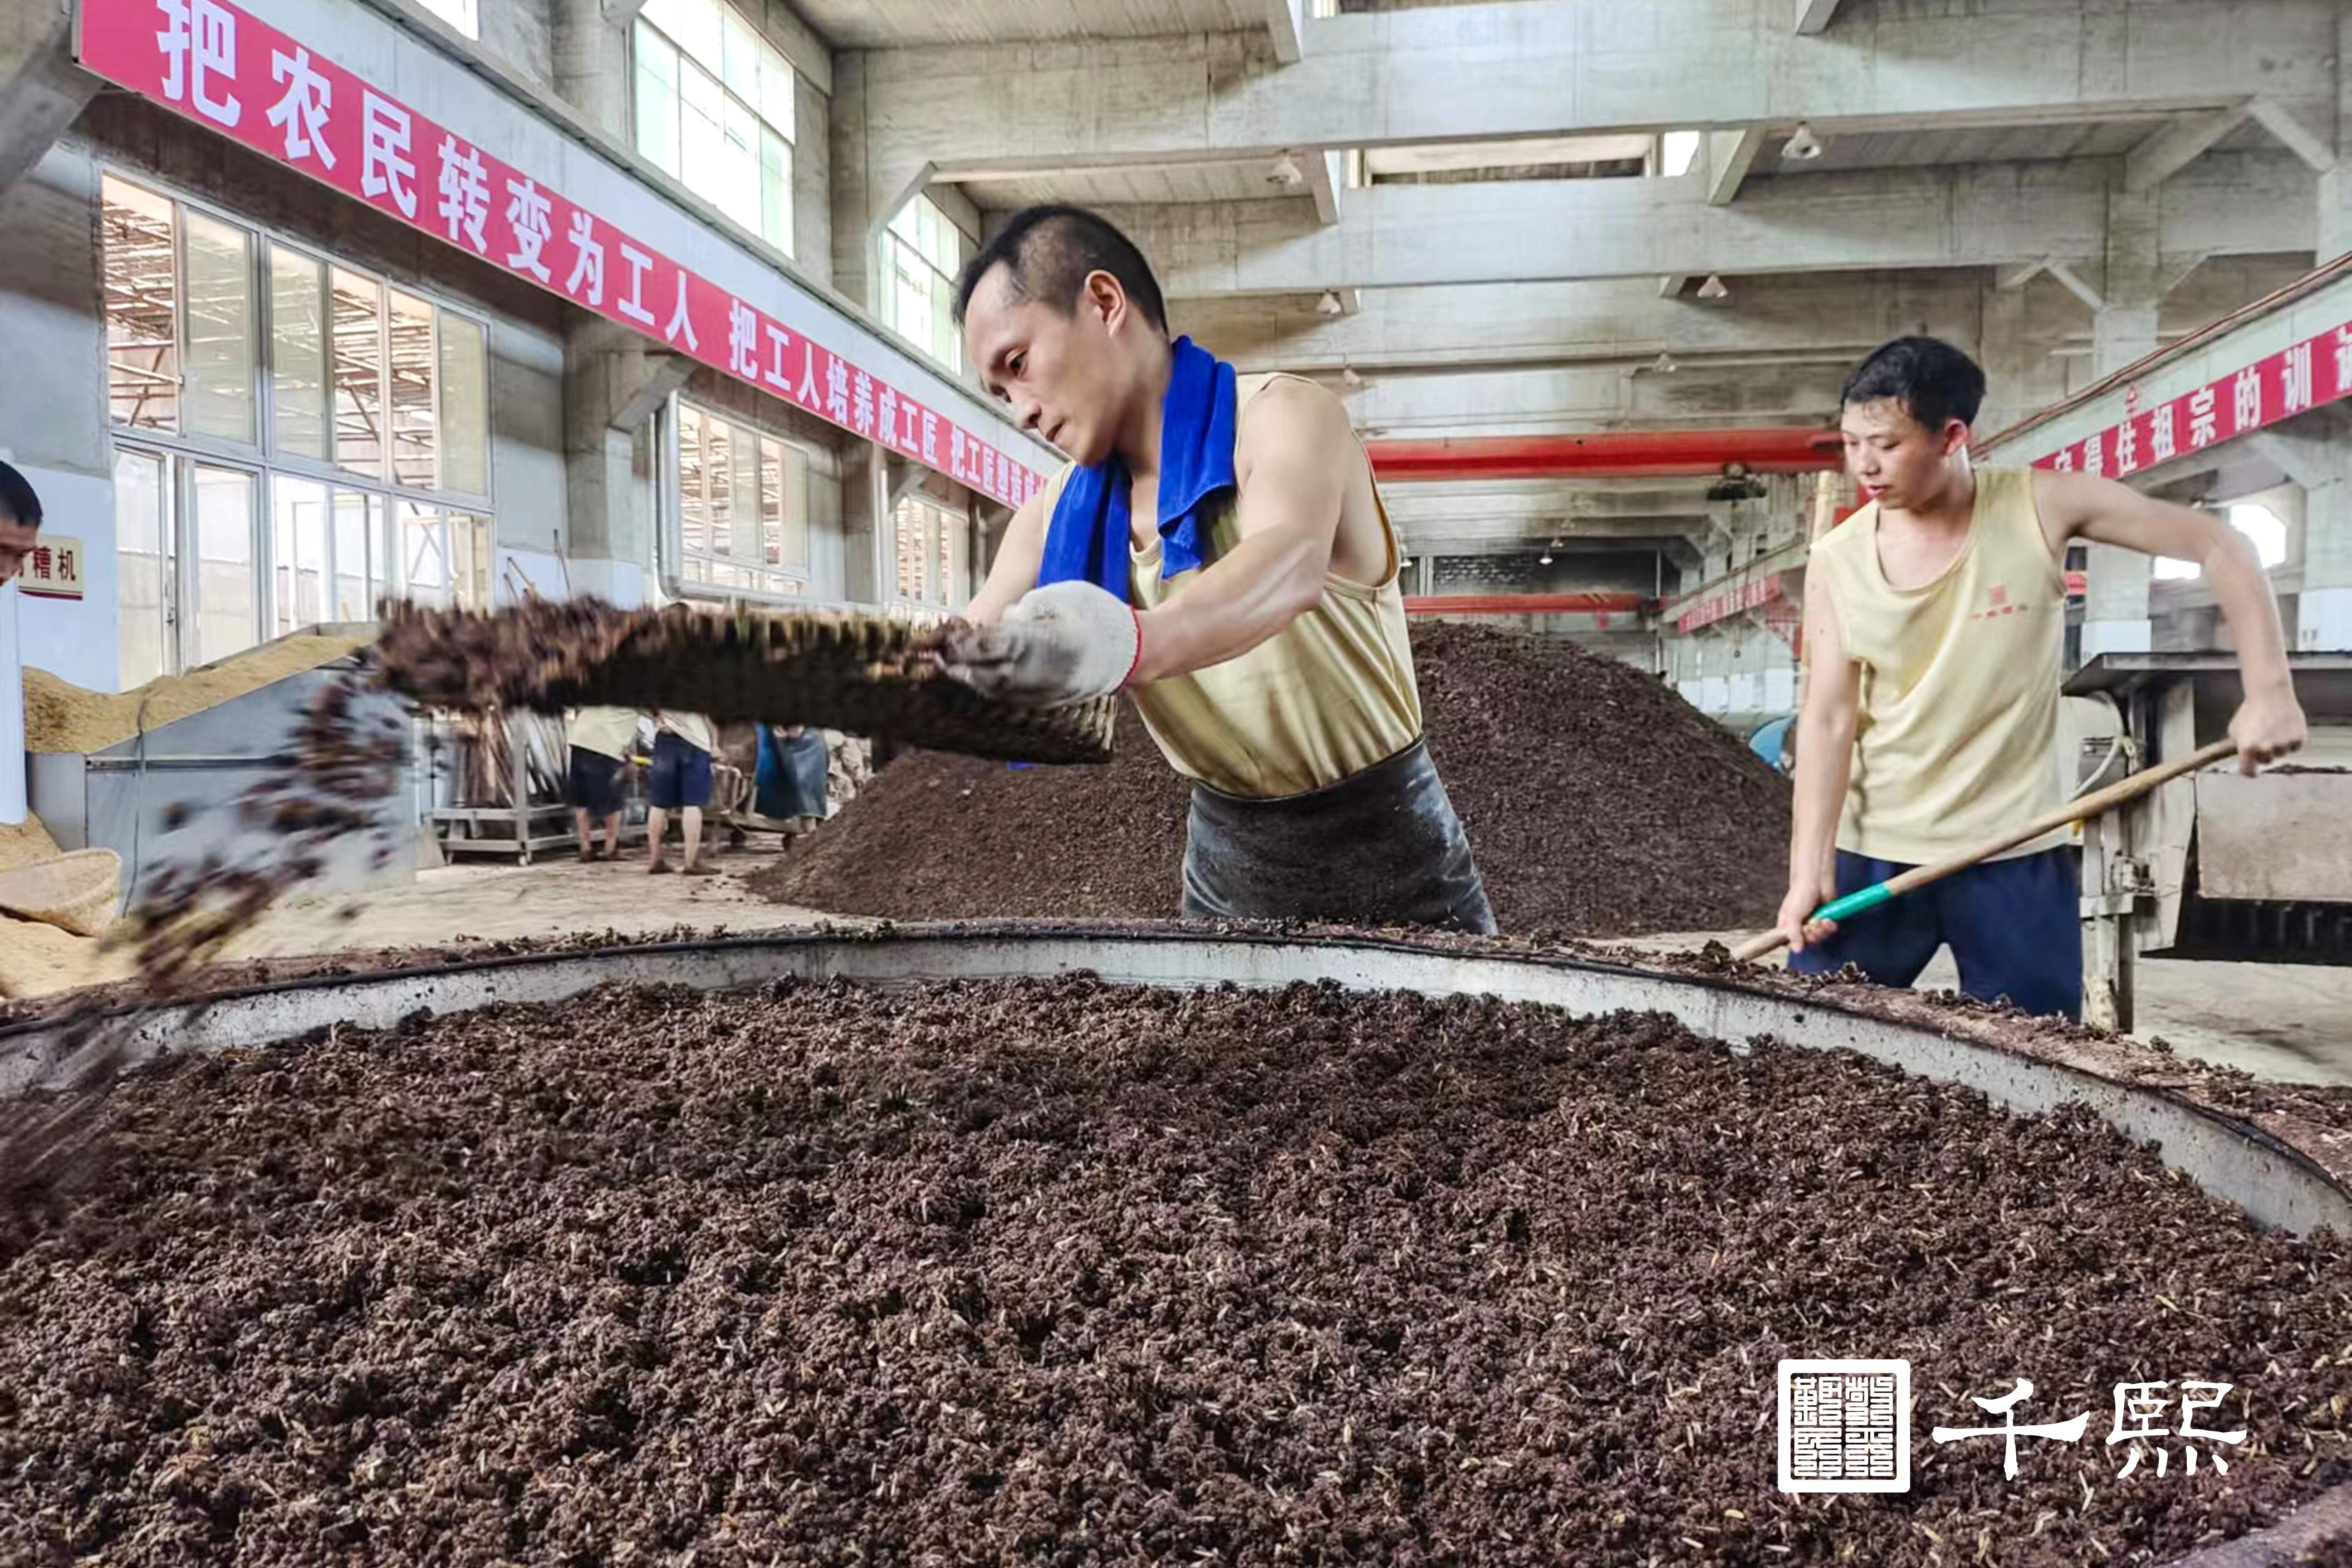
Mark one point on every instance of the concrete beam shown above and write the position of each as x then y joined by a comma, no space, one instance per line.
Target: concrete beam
1731,154
2313,149
41,90
1325,178
1499,326
1977,216
1526,68
1814,16
1604,398
2176,146
2073,281
1285,25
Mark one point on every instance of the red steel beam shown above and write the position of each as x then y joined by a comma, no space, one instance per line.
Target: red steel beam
1522,604
1609,454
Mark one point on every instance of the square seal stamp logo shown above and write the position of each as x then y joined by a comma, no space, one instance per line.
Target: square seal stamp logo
1846,1426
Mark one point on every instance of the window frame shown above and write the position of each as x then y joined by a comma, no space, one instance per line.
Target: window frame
756,107
181,451
677,562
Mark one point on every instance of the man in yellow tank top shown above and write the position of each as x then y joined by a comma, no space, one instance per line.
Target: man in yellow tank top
1217,551
1935,624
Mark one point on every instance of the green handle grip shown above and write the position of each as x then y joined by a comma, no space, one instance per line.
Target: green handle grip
1869,898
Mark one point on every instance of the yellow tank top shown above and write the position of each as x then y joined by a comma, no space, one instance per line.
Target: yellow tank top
1957,739
1327,696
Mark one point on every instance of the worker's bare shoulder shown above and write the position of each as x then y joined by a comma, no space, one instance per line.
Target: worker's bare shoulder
1290,415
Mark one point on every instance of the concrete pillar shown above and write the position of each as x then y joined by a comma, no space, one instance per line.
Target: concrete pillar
2335,235
590,39
866,528
2324,613
41,90
12,713
613,379
2123,332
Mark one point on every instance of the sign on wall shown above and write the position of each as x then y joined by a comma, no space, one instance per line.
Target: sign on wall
2293,381
52,568
219,66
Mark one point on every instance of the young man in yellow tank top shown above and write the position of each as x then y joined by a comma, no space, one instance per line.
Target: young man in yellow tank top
1216,550
1935,624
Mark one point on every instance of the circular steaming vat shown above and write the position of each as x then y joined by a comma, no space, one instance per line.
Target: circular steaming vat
1199,1240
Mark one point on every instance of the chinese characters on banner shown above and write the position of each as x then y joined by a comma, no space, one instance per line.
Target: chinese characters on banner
1748,596
2291,382
219,67
52,568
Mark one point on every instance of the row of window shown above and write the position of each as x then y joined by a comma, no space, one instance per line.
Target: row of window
232,339
213,557
294,438
714,111
743,507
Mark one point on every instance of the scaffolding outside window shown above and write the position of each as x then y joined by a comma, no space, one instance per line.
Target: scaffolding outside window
922,252
743,508
931,555
287,431
713,109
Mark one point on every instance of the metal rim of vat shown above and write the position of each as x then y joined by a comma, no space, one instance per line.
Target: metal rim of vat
2228,1158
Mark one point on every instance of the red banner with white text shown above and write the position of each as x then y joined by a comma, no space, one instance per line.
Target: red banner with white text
219,67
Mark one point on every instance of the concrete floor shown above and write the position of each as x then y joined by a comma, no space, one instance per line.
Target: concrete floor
2290,1024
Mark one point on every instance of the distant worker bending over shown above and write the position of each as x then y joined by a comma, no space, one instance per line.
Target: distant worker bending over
1935,628
1216,549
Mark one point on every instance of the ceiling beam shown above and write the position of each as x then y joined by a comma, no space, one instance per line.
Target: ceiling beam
1560,67
2299,139
1814,16
1991,215
1731,154
2169,150
1325,177
1285,25
1497,326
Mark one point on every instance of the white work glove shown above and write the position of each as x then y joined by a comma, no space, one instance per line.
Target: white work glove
1061,644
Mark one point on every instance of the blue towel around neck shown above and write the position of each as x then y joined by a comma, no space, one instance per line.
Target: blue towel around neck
1086,539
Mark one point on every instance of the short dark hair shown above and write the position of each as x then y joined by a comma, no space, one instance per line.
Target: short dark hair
1932,380
1048,252
18,504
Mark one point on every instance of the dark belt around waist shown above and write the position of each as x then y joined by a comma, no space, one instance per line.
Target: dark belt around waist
1382,846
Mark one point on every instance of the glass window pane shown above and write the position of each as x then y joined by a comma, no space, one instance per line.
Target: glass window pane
771,501
423,555
298,553
775,191
142,319
227,593
143,562
656,100
740,132
355,552
694,514
748,513
694,26
358,373
776,90
740,50
701,148
469,561
797,508
297,350
221,350
944,579
718,468
464,410
408,335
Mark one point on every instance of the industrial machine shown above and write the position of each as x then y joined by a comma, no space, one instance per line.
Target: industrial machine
2215,866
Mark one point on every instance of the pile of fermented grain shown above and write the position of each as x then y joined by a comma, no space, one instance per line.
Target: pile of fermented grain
62,717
